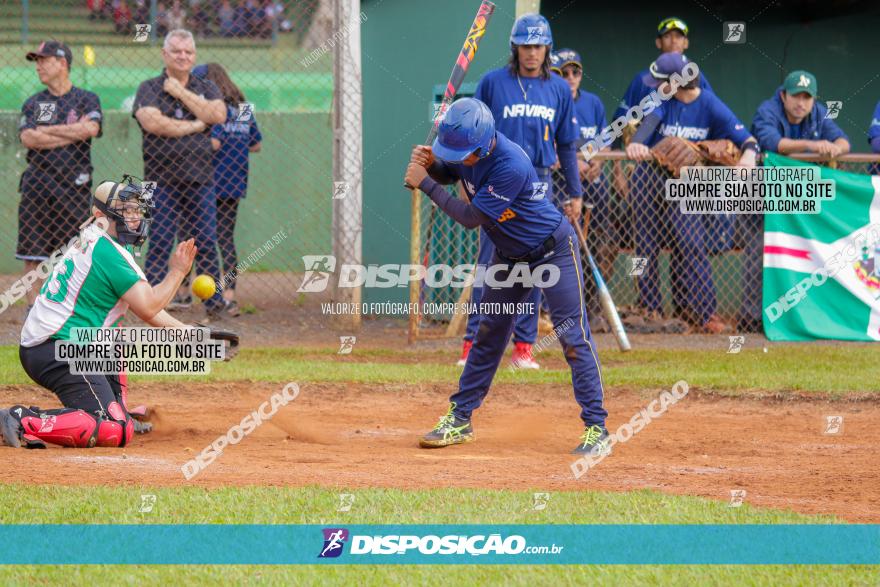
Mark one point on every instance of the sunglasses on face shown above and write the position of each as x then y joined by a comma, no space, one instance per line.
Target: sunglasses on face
572,72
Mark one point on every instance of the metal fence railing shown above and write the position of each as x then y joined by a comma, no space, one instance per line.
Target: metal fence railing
288,76
619,234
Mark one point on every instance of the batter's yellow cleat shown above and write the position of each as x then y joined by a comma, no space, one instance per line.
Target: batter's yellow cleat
449,430
595,441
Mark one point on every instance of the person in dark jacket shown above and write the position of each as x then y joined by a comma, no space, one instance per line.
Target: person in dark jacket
792,121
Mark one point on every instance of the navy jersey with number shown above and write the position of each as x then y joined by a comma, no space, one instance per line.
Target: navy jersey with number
505,187
533,112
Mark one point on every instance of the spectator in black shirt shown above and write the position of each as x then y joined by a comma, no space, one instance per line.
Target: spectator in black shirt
57,126
176,111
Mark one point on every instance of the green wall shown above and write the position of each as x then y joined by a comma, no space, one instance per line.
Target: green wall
408,47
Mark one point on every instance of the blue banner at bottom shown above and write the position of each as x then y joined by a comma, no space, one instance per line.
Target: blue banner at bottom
440,544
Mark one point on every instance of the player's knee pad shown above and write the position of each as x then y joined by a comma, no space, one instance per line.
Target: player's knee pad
117,430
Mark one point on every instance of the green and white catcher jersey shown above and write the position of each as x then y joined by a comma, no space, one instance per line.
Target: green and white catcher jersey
84,290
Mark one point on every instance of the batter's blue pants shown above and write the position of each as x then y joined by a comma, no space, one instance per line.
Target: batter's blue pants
655,219
192,208
568,312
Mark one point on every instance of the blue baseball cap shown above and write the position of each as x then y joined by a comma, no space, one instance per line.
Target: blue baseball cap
200,71
563,57
665,66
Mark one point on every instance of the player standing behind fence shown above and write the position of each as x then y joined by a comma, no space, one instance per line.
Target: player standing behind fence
672,37
57,126
789,122
534,109
175,111
233,142
692,114
591,118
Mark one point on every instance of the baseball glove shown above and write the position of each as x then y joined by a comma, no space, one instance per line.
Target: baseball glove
230,337
720,152
674,153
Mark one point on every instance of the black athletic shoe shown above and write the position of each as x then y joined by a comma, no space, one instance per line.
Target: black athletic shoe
10,430
142,427
594,441
449,430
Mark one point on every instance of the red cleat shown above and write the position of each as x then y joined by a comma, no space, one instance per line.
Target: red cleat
522,356
465,351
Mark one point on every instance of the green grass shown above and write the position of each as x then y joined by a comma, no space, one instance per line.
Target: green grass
106,505
819,369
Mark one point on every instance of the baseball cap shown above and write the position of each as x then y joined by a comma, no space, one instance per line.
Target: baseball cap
563,57
672,23
665,66
51,48
801,81
200,71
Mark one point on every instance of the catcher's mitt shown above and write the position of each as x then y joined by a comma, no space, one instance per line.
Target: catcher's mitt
231,339
721,152
674,153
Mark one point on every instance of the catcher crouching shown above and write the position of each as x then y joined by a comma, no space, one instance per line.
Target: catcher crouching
92,286
693,128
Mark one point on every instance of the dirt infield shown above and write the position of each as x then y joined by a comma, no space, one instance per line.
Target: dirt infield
353,436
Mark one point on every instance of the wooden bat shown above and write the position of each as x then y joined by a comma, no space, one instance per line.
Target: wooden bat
609,310
459,70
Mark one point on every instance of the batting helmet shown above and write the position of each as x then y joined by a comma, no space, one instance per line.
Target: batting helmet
531,29
468,127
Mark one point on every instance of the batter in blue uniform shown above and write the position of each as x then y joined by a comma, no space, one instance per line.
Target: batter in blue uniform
534,109
692,114
507,201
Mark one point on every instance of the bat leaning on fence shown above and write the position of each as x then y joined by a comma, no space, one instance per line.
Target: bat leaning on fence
609,310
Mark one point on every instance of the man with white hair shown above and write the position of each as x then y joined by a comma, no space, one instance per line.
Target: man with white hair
176,111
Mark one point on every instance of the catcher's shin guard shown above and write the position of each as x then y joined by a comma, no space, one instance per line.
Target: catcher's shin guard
76,428
137,412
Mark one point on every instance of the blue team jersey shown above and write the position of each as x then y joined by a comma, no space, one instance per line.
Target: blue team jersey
874,129
535,121
590,114
638,90
505,187
705,118
231,161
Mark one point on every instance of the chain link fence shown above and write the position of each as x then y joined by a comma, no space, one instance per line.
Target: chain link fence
658,283
252,157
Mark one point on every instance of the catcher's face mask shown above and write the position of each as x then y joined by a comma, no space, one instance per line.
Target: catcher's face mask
129,205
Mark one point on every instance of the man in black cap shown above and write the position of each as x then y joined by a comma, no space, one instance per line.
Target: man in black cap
57,126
